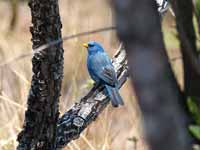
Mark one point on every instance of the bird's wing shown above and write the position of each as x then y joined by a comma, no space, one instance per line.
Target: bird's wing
104,69
108,75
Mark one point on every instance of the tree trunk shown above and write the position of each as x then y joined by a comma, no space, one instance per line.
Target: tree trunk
39,130
184,21
159,96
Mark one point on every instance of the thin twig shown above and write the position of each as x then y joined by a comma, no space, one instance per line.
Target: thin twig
65,38
172,12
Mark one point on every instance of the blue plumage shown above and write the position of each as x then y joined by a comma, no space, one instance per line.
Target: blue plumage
102,71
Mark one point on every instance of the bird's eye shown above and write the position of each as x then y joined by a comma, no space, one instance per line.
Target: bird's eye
90,45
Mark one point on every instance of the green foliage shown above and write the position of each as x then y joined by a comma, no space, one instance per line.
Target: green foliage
197,6
194,109
195,131
88,84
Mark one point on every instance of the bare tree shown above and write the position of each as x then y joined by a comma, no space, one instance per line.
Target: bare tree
39,130
42,129
160,97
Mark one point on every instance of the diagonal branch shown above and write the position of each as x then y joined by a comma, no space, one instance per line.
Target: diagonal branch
75,120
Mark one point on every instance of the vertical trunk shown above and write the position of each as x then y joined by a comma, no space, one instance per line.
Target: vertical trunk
184,20
41,116
160,99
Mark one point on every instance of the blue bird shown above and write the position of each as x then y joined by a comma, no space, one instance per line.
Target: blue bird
102,71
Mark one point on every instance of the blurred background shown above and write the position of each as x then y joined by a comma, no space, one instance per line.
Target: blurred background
115,128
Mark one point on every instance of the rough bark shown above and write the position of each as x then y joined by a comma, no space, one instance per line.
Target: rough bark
184,21
76,119
39,129
159,96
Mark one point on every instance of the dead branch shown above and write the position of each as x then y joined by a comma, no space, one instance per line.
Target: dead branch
76,119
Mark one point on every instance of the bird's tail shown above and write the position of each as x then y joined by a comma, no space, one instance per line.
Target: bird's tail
114,95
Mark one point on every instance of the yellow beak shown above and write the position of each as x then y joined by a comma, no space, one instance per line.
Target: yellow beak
85,45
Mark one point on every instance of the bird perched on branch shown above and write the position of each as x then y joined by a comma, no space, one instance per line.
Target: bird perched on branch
102,71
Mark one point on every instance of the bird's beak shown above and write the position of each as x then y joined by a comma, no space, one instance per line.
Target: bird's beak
85,45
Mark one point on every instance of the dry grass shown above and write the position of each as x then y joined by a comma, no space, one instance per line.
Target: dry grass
115,128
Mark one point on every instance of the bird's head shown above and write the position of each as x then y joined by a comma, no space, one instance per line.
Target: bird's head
93,47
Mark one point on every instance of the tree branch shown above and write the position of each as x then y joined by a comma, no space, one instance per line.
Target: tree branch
76,119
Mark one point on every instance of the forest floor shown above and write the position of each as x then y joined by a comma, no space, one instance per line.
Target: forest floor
115,128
